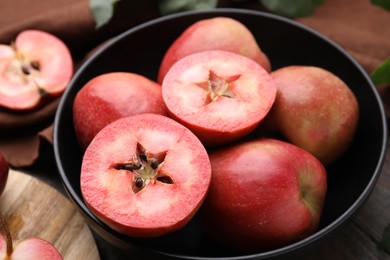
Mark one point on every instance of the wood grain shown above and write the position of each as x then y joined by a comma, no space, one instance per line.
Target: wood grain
33,208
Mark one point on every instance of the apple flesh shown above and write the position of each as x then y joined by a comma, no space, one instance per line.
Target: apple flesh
4,169
219,33
35,67
145,175
264,194
29,248
315,110
111,96
220,96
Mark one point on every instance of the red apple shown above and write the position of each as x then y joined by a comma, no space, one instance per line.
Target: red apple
145,175
264,194
111,96
315,110
29,248
36,66
4,169
220,96
219,33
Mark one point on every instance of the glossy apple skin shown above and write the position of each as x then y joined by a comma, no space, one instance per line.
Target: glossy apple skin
219,33
315,110
4,169
264,194
30,248
186,93
111,96
158,208
36,67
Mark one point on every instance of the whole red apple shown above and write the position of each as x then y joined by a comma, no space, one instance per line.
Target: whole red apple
219,33
36,67
264,194
145,175
29,248
220,96
315,110
4,169
111,96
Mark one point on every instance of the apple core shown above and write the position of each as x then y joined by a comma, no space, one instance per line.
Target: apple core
146,167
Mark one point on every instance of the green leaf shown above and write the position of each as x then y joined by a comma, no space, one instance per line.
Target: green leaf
385,242
292,8
174,6
385,4
381,75
102,11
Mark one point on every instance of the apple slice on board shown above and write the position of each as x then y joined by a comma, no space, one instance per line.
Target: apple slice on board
264,194
220,96
145,175
29,248
37,65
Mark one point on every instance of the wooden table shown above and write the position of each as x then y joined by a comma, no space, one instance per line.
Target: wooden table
358,239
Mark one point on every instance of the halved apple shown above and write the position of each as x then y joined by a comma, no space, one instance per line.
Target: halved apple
219,95
37,65
145,175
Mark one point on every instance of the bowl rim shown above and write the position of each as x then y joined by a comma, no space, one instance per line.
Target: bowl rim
228,11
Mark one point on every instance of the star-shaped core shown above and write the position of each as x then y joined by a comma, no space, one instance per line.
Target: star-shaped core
218,86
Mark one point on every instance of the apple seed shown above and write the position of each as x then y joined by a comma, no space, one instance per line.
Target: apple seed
139,182
35,65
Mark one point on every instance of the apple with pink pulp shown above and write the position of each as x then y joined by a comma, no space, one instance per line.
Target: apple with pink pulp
264,194
110,96
218,33
219,95
315,110
4,169
145,175
36,67
29,248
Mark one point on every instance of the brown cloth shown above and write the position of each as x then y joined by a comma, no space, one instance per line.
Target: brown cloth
358,26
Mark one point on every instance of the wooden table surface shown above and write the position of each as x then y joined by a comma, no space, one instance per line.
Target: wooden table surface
357,239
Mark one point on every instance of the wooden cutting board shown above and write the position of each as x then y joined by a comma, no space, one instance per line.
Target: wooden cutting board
33,208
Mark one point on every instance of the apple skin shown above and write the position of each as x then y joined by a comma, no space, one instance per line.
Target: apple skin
220,96
264,194
30,248
315,110
35,68
219,33
169,193
111,96
4,170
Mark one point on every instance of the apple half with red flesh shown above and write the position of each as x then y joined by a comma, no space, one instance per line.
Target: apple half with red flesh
29,248
220,96
110,96
264,194
145,175
36,66
218,33
4,171
315,110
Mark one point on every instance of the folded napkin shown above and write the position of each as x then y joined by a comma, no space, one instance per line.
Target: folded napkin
358,26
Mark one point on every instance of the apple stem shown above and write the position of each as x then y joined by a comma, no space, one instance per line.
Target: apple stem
5,229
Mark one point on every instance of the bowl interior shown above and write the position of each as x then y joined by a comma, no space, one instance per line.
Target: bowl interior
140,50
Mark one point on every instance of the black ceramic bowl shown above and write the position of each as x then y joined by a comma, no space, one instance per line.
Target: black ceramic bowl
141,49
